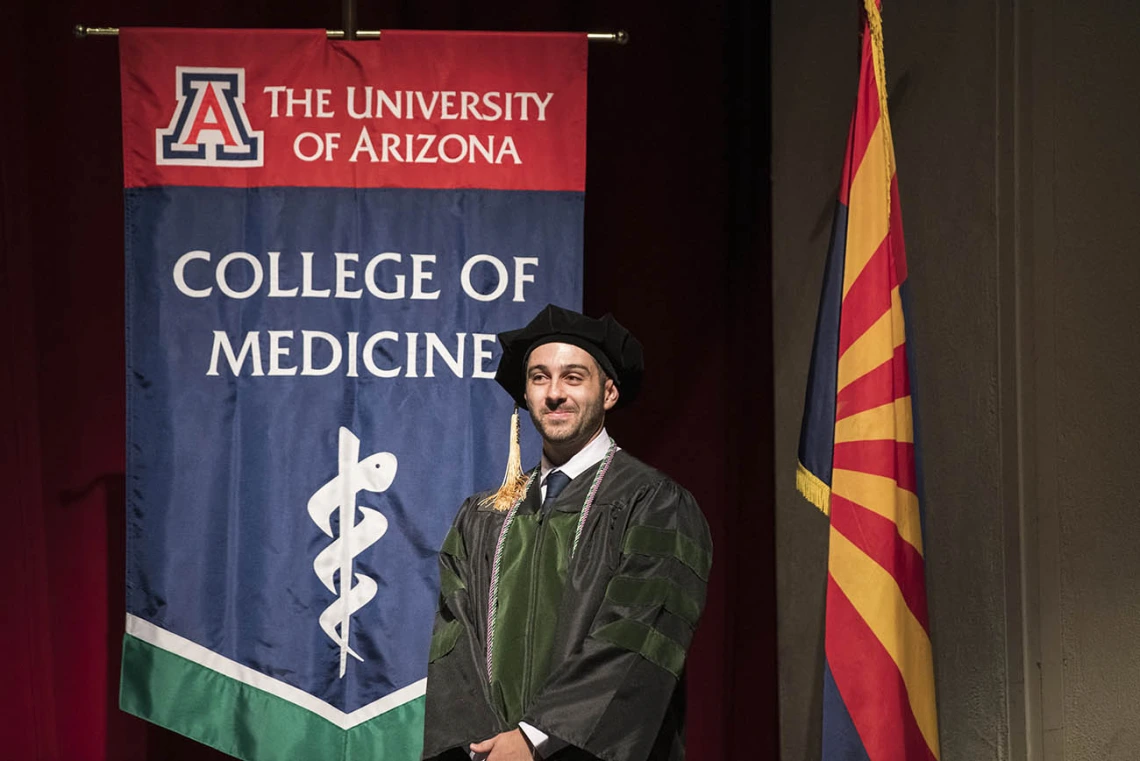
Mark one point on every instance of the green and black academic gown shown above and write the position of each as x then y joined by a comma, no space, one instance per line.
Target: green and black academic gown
589,649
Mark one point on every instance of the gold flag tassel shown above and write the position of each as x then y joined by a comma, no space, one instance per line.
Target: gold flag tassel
514,480
815,491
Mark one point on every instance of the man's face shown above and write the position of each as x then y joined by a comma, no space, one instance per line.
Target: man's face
567,395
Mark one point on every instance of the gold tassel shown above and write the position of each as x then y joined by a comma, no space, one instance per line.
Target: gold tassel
814,490
514,480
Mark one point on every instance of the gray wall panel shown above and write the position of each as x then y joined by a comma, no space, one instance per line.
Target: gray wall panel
1096,317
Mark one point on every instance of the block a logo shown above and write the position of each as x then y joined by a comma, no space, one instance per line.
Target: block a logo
209,126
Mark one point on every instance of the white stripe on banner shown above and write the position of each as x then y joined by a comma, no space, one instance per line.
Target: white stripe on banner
192,651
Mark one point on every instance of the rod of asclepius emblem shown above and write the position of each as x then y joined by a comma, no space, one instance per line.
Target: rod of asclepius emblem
334,564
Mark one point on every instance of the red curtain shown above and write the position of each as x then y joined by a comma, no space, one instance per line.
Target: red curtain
676,245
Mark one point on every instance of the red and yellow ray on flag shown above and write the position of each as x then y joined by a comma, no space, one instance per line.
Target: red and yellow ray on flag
857,457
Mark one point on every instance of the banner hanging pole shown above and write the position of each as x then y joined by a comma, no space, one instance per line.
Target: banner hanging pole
81,31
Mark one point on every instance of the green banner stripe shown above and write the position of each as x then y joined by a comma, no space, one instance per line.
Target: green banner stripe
664,542
249,723
443,640
631,590
645,641
449,583
453,545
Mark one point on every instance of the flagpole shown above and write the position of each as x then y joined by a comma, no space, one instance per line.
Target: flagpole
81,31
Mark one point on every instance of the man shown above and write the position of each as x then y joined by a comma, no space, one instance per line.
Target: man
566,611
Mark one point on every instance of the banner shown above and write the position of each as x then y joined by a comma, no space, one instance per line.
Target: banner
322,241
857,458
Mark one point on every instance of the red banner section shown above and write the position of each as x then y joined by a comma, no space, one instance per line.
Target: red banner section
311,112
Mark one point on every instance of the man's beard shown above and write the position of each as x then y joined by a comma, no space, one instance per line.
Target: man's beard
588,423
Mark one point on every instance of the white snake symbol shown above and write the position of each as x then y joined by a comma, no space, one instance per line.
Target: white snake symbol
334,563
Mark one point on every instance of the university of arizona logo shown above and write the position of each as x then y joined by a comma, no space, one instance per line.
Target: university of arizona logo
334,563
209,126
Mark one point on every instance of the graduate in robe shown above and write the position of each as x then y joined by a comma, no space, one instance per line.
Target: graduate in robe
569,597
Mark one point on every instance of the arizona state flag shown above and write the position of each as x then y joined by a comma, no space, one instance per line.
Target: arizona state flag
857,457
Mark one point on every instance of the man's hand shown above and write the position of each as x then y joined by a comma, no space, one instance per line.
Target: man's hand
507,746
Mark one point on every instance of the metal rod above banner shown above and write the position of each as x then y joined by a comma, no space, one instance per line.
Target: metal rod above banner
621,37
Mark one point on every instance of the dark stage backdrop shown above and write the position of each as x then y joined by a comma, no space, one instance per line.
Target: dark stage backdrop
677,231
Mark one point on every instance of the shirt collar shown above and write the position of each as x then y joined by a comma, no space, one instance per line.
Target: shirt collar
589,455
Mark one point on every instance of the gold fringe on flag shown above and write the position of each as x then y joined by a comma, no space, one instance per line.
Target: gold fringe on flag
815,491
514,480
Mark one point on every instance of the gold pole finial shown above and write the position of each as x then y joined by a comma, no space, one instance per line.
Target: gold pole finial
878,58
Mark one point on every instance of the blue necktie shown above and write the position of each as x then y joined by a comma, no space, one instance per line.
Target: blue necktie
555,482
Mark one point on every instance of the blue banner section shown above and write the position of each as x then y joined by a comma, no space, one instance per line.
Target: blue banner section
310,397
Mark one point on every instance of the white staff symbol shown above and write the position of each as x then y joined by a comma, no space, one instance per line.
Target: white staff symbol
375,474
